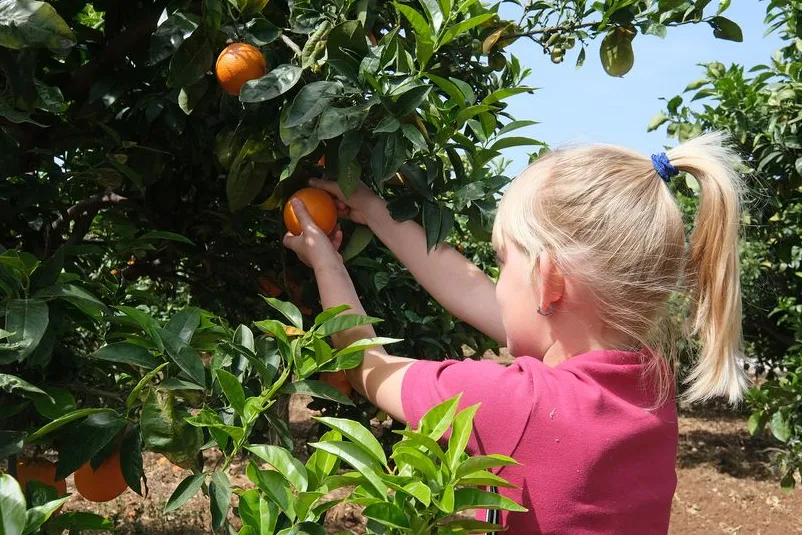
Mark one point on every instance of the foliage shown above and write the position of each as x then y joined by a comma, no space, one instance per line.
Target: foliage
140,210
762,109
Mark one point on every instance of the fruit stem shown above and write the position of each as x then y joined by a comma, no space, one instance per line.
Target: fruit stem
291,44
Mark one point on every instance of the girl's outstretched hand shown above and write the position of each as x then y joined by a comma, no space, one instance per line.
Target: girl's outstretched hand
358,207
313,247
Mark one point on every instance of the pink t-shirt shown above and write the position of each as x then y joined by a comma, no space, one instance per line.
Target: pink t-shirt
594,457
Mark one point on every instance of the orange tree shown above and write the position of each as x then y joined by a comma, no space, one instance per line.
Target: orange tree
141,220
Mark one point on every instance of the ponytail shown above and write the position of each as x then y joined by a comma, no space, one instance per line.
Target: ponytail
712,268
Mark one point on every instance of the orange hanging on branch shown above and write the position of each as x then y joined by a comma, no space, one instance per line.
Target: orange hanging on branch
238,63
103,484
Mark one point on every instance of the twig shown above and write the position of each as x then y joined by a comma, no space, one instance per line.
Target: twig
290,43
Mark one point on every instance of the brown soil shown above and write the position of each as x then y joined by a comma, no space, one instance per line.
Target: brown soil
726,485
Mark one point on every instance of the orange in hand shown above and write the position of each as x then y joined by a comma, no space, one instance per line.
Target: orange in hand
320,206
338,380
103,484
238,63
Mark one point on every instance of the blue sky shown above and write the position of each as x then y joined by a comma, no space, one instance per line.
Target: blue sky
586,105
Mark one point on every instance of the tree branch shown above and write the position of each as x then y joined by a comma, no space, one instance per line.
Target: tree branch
83,213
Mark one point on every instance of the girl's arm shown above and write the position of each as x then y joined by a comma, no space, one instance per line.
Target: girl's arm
380,376
458,285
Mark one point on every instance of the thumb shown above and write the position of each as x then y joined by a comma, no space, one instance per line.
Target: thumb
302,214
329,186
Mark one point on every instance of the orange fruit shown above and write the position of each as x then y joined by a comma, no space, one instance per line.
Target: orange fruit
42,471
238,63
338,380
268,287
320,206
103,484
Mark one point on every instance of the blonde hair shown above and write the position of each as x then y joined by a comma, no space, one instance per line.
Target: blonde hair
610,221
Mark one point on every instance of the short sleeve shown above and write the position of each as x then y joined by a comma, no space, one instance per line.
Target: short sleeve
506,394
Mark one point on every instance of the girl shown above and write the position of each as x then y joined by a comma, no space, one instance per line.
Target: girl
591,245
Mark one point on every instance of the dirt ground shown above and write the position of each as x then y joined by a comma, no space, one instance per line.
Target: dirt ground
726,485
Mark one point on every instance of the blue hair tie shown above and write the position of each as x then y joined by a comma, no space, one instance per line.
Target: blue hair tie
663,166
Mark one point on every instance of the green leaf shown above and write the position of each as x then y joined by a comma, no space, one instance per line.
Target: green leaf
274,485
359,240
85,440
365,343
11,442
59,402
438,221
243,336
419,24
346,47
427,443
131,459
25,23
311,100
450,89
246,177
170,34
336,121
79,520
28,320
484,479
47,273
464,26
232,389
755,423
36,516
483,462
780,427
257,513
434,13
165,430
412,133
146,321
288,310
657,121
724,28
191,95
358,434
283,461
411,100
127,353
420,491
468,498
220,499
723,6
446,502
360,460
191,61
388,155
273,84
12,504
416,459
64,420
469,525
461,433
185,356
504,93
439,418
185,490
616,52
321,464
513,141
12,384
387,125
787,483
261,32
348,167
317,389
184,323
388,514
343,322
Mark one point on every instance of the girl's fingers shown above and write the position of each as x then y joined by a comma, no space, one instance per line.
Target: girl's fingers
327,185
306,221
337,241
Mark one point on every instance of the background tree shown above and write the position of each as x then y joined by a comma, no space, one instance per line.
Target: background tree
762,110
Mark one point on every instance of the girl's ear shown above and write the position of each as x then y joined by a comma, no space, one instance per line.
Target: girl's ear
551,282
